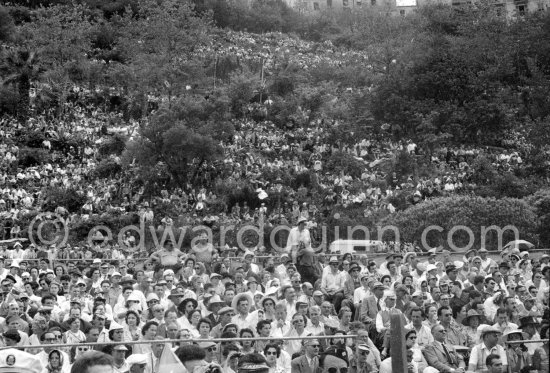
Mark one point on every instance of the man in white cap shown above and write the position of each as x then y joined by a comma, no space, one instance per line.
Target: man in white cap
489,345
333,282
118,353
136,363
298,238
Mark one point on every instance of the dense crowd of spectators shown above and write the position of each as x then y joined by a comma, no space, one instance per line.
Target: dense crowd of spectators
459,315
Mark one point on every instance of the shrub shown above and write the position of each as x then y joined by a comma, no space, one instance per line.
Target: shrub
507,185
114,145
29,157
107,168
8,100
540,201
483,171
66,197
472,212
344,162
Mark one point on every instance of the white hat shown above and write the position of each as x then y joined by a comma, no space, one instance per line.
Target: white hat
12,360
116,274
152,296
115,326
97,261
136,359
167,272
430,267
133,298
458,264
215,275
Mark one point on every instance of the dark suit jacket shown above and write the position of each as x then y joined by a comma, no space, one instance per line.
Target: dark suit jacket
300,365
435,356
369,309
213,320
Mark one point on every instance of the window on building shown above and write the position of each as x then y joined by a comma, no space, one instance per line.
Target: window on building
329,3
373,2
521,10
316,6
402,12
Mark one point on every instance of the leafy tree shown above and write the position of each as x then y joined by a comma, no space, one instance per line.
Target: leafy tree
160,43
22,67
346,163
7,27
176,143
65,197
541,202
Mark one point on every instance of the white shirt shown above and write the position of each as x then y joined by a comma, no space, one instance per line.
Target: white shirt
296,236
359,294
424,336
277,331
315,330
331,281
480,352
385,366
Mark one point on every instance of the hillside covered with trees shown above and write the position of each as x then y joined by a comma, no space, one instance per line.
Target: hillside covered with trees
183,80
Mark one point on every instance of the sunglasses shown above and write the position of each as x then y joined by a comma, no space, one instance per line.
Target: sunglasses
337,370
82,349
363,353
212,349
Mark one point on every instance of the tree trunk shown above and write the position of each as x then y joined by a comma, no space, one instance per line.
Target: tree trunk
23,102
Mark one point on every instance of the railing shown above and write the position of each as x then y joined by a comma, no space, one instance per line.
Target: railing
92,344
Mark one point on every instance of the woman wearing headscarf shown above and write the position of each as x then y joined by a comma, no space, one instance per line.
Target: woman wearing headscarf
55,363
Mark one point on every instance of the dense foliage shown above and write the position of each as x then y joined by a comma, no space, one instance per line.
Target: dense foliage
183,73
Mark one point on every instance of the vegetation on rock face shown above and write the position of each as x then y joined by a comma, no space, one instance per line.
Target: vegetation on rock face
185,72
